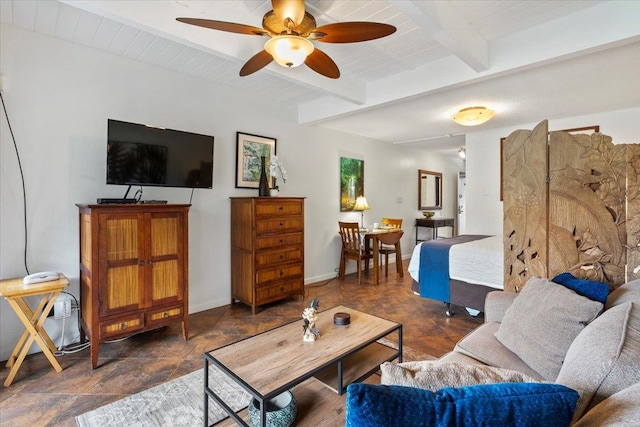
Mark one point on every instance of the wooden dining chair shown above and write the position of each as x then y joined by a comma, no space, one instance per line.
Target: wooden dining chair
390,248
391,240
352,248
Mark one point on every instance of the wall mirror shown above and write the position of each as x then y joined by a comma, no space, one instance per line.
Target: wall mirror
429,190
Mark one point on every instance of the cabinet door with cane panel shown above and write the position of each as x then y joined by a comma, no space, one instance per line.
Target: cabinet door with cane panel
133,270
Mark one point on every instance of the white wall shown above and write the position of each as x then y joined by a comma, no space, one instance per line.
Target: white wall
484,208
59,97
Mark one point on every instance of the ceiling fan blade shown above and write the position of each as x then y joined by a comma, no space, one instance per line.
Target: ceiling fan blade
293,9
320,62
350,32
230,27
257,62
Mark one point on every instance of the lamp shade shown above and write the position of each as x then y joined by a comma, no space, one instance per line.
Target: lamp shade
473,116
289,50
361,204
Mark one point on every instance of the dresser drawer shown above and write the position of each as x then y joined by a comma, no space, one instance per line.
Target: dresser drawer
279,225
268,242
164,315
268,275
278,291
122,326
270,207
275,257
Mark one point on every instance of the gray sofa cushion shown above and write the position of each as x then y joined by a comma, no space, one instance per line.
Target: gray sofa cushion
496,305
455,357
628,292
604,358
434,375
621,409
481,344
543,321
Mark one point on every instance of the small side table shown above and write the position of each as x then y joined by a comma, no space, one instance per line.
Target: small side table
434,224
14,292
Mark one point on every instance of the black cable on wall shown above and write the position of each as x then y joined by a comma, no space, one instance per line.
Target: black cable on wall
24,192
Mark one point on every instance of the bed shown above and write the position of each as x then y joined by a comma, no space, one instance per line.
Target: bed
458,270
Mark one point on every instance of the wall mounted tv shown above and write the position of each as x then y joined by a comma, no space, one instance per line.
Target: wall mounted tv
149,156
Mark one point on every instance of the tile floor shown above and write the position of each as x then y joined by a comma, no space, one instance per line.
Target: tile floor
41,397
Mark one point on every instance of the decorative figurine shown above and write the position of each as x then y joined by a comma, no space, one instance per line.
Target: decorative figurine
310,315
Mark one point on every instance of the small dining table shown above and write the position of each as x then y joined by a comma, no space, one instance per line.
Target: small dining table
371,238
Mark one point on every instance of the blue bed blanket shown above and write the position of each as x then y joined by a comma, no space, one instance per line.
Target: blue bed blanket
434,266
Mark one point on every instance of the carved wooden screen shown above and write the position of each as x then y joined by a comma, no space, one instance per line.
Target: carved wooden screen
525,206
589,210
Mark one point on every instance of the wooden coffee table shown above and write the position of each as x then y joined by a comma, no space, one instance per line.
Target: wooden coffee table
272,362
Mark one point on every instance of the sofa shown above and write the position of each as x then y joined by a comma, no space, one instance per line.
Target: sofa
560,352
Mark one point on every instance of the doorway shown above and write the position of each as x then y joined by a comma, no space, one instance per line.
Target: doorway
462,186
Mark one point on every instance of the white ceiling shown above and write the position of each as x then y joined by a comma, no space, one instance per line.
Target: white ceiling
528,60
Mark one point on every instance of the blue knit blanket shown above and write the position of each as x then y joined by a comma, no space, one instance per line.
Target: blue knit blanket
434,266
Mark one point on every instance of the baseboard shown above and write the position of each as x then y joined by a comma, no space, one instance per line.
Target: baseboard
196,308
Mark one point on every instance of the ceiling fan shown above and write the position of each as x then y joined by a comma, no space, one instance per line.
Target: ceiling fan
290,30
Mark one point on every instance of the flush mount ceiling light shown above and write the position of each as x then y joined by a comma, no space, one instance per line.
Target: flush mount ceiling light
289,50
473,116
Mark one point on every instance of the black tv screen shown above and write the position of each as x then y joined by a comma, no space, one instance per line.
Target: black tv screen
143,155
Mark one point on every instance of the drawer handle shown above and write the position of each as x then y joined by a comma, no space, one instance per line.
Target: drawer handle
281,256
281,288
280,208
281,273
281,240
165,315
281,224
123,326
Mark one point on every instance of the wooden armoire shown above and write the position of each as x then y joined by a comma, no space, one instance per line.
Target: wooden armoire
134,273
571,204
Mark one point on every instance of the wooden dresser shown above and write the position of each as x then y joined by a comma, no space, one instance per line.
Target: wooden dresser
134,273
267,249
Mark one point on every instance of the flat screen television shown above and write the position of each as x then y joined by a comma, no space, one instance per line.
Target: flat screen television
143,155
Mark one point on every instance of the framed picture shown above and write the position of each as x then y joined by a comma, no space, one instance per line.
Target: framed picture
351,182
585,130
249,150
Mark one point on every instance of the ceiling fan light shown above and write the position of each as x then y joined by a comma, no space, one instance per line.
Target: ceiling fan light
288,50
473,116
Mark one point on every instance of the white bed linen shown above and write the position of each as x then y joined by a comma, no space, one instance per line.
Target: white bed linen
478,262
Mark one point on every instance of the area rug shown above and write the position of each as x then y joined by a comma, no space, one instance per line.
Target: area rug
180,402
176,403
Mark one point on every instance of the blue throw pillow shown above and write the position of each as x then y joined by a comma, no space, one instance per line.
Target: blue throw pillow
596,291
503,404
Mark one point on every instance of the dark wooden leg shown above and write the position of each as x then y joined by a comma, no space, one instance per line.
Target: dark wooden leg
95,345
185,328
376,262
386,264
399,260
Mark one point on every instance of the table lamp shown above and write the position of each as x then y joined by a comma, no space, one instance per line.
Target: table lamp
361,205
